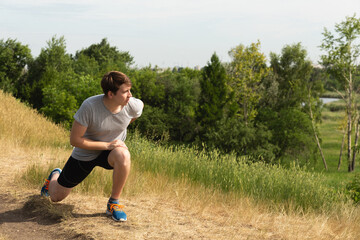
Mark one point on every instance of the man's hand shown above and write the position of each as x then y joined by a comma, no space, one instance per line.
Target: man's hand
77,140
115,144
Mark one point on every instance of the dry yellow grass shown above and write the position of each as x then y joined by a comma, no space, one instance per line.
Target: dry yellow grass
2,237
22,126
157,207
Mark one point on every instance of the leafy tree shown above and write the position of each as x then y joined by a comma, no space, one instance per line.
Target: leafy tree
233,136
292,72
85,65
63,96
108,58
213,96
146,86
59,105
170,100
247,69
329,81
293,133
298,105
13,59
55,88
181,98
154,123
53,61
342,53
270,89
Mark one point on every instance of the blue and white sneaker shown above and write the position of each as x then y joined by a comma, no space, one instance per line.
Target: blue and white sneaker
45,187
116,211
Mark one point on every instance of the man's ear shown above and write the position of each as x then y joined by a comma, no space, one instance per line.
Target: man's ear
110,94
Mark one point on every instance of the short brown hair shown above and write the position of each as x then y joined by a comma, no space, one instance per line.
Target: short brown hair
113,80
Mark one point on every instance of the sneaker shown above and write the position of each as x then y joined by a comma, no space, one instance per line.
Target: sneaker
45,187
116,211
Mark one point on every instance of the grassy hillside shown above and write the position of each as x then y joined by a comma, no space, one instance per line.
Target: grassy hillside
23,126
284,188
288,203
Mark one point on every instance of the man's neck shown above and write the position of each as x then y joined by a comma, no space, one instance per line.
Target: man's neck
111,106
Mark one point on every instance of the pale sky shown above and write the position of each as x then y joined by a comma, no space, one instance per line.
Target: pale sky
170,33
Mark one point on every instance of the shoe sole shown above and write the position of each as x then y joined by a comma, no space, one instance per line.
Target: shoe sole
117,220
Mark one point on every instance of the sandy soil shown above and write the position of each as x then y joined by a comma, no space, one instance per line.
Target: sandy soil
26,215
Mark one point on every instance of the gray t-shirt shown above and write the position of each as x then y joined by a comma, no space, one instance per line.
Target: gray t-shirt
103,125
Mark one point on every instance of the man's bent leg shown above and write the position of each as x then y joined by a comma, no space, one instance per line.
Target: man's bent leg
119,159
56,191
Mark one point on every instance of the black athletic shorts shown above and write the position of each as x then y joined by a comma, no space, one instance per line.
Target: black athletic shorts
76,171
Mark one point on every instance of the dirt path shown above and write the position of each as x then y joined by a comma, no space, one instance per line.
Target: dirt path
26,215
22,214
17,222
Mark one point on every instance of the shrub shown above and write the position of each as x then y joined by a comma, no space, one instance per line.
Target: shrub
353,188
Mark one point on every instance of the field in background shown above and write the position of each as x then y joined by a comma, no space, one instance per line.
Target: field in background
331,132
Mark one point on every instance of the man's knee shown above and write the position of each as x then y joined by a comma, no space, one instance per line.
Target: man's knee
58,192
56,198
120,156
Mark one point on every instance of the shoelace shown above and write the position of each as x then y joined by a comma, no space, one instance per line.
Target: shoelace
115,207
47,182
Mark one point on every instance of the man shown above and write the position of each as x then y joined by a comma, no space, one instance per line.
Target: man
98,134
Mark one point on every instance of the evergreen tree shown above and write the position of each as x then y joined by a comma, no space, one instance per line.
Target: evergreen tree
213,94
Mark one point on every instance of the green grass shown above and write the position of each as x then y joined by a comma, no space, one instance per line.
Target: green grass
331,133
284,188
292,188
331,94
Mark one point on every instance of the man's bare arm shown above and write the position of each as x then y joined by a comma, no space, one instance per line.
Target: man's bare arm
77,139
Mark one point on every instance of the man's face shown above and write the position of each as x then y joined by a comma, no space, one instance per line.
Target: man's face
123,95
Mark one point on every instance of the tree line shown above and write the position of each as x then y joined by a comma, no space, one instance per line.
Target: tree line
265,109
